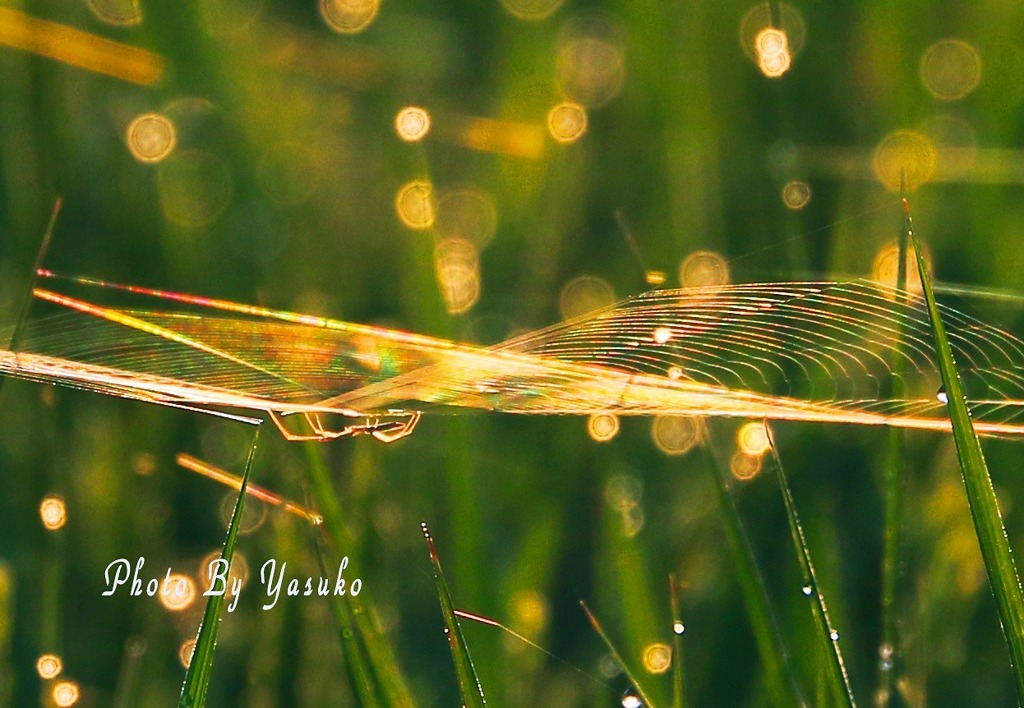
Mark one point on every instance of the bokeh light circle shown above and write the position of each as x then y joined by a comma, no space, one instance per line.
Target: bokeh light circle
950,69
904,159
151,137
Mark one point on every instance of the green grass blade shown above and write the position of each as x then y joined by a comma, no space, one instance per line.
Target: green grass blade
890,659
770,646
981,496
617,656
197,677
127,688
6,632
835,671
678,677
469,685
379,657
357,664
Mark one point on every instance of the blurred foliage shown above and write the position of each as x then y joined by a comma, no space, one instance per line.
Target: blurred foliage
281,189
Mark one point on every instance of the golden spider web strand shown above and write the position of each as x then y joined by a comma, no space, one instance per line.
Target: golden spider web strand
797,351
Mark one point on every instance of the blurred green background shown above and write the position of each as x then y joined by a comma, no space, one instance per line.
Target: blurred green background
287,184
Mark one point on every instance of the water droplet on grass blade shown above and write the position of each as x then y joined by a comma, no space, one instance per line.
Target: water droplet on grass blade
630,699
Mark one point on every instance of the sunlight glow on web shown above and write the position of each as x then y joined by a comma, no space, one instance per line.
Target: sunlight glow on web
655,277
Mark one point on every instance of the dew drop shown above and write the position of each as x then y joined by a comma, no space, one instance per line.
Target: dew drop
807,589
662,335
885,650
678,627
425,529
941,395
834,635
631,700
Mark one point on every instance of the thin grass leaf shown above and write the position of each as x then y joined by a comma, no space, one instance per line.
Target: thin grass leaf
981,496
630,674
200,668
7,587
26,303
127,687
380,660
782,684
835,667
889,647
678,677
469,685
357,664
